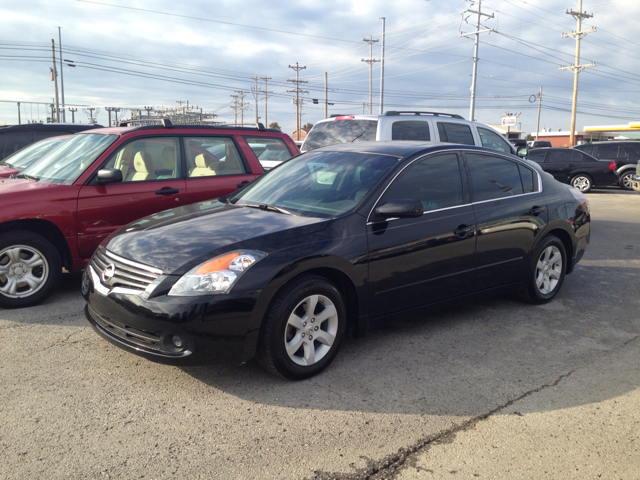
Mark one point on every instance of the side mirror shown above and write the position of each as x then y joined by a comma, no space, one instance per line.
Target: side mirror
109,175
400,208
523,152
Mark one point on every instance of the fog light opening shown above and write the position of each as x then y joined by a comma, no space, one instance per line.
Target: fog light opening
177,341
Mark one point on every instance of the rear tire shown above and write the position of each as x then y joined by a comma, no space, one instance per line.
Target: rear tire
625,180
582,182
30,268
546,271
303,330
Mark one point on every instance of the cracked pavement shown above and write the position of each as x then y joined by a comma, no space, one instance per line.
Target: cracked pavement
495,389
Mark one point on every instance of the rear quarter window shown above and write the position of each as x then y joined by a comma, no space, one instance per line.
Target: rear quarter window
455,133
410,130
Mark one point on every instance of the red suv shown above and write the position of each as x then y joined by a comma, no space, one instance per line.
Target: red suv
57,210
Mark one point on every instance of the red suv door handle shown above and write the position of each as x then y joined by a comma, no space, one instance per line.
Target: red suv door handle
242,184
167,191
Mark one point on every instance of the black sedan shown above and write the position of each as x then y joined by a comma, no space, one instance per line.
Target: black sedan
339,239
575,168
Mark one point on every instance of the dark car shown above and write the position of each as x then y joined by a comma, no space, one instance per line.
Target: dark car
575,168
625,154
24,157
14,137
57,210
338,239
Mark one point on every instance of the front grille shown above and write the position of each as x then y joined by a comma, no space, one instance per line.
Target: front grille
122,273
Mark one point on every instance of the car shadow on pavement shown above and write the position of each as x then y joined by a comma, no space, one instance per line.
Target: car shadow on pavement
465,360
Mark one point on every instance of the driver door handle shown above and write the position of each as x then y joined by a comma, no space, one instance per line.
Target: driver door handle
464,230
536,210
167,191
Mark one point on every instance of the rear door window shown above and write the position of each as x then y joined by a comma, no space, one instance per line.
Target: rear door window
455,133
209,156
341,131
493,177
410,130
607,151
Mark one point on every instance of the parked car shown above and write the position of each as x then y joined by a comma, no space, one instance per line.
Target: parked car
626,154
24,157
519,143
575,168
539,144
422,126
15,137
337,239
57,210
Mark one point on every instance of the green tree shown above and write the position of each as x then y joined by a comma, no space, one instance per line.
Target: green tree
306,127
275,126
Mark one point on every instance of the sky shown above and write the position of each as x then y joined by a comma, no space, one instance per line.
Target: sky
134,53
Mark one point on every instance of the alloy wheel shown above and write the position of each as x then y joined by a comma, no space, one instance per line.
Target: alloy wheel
548,270
311,330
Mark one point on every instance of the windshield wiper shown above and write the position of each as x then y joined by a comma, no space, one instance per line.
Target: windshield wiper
358,136
28,177
264,206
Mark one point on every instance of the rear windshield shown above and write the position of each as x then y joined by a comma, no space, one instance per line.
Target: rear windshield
340,131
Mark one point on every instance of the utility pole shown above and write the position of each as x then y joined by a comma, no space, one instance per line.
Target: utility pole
256,97
73,114
266,95
54,71
234,107
576,68
472,108
297,91
243,106
539,105
371,61
110,109
19,120
382,70
64,116
326,95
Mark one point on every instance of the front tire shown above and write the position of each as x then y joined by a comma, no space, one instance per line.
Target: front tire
30,268
546,271
303,330
582,182
625,180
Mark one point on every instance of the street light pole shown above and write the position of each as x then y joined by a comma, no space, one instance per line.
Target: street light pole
64,117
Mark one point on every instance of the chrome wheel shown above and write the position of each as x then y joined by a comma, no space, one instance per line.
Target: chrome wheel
311,330
625,180
582,183
548,270
23,271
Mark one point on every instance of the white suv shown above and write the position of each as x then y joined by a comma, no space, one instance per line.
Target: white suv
422,126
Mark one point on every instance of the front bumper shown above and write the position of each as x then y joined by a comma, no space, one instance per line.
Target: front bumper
213,329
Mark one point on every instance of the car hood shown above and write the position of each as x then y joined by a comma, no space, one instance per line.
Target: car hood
177,240
6,172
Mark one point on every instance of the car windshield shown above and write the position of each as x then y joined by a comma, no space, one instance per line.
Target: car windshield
340,131
30,153
322,184
67,162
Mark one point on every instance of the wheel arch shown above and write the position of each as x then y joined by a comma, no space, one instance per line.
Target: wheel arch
569,249
45,229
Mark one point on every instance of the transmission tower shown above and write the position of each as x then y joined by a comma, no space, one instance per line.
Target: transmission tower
370,61
576,68
297,91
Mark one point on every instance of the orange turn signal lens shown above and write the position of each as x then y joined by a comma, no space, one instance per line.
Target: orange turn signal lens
217,264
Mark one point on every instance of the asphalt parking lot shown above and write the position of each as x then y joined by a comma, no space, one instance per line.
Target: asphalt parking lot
496,389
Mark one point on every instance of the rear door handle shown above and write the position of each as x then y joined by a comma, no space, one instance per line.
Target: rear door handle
536,210
167,191
464,230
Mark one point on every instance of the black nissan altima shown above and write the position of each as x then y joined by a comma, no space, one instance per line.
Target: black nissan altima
336,240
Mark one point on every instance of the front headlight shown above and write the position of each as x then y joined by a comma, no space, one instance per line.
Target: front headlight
217,275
